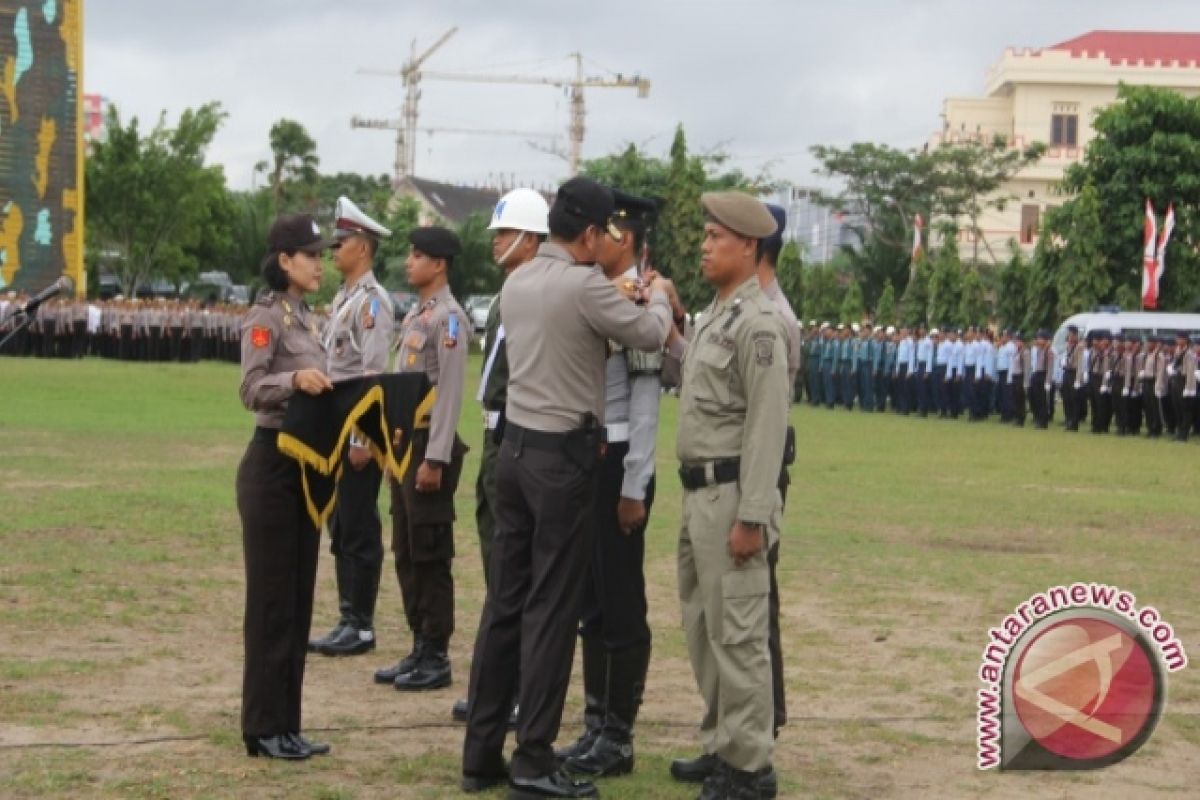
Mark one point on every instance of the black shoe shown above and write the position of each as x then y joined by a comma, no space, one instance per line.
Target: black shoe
459,712
388,675
596,667
768,783
694,770
481,783
607,758
282,747
717,783
314,748
315,645
432,672
557,784
741,785
349,641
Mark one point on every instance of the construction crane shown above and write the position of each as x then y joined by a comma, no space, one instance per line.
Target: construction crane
406,130
411,73
577,84
398,125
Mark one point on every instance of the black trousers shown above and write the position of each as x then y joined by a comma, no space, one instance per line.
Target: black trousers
540,557
614,596
356,541
1038,400
774,630
1017,404
1070,411
1151,408
280,545
423,544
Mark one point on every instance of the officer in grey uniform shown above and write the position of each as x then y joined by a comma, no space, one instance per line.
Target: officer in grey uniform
558,315
434,338
614,630
357,339
732,426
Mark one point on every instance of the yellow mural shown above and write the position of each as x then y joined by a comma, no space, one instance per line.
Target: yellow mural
72,248
69,31
46,136
10,88
10,237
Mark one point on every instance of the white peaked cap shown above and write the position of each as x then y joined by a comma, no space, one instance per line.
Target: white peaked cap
349,219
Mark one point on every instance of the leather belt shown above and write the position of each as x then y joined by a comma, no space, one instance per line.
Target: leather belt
538,440
711,473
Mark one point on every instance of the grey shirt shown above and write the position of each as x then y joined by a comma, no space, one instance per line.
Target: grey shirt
358,336
777,297
557,317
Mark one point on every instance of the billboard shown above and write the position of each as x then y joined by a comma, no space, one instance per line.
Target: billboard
41,147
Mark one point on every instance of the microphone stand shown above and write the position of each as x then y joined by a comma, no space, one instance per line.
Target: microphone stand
24,323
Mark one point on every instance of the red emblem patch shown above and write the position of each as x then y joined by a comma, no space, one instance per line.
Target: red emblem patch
260,337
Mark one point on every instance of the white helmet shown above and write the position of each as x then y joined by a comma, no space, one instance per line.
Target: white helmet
522,210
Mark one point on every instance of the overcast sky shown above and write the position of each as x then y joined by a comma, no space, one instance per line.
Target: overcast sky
761,79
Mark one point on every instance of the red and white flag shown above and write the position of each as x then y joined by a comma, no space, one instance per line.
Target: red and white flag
1150,260
1161,255
918,225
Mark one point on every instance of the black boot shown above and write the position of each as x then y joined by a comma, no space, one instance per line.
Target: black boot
612,752
768,783
388,675
431,672
695,770
347,640
595,700
717,783
741,785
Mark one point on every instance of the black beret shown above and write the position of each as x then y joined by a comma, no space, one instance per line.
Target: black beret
1072,329
1042,334
634,209
435,241
775,240
586,200
1103,335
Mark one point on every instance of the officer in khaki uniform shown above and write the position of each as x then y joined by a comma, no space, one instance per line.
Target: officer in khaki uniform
434,338
357,341
733,402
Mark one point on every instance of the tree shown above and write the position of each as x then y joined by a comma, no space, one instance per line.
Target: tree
1085,279
250,223
1147,145
154,207
1041,296
680,226
789,271
973,307
293,167
400,218
852,309
945,283
915,305
885,309
474,271
1013,289
822,297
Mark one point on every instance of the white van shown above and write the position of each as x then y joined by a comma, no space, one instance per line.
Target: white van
1138,323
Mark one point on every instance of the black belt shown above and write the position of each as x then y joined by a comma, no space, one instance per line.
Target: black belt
698,476
538,440
265,435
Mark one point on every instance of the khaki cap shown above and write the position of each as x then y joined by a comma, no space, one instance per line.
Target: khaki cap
740,212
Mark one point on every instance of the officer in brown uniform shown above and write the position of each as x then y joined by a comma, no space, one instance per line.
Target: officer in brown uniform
434,338
733,416
559,312
281,354
357,340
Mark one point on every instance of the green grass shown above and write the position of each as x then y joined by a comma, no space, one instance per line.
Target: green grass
904,540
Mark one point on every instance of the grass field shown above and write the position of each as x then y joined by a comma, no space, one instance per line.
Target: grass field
905,540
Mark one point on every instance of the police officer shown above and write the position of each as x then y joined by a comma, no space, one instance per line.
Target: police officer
357,341
613,628
558,316
1040,374
518,228
1100,373
1180,378
1147,365
830,342
434,338
732,404
1070,376
1018,378
281,354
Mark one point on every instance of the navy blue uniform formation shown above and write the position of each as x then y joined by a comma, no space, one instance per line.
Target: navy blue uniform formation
1108,381
125,330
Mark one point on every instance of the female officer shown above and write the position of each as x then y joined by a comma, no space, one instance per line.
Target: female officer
281,354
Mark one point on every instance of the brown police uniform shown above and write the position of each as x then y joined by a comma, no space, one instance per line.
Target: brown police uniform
434,338
280,542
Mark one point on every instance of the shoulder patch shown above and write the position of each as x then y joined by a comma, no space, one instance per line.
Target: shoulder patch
764,347
260,337
266,299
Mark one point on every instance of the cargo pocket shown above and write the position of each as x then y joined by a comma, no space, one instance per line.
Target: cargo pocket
744,595
432,543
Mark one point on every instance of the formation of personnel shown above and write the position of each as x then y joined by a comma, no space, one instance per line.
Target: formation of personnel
1122,383
126,330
